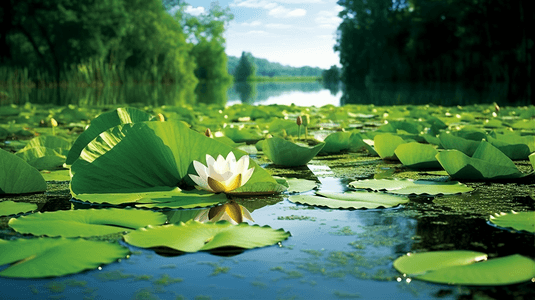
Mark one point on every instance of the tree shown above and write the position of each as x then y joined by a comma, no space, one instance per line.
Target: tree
245,67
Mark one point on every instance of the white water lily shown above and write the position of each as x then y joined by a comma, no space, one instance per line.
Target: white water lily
231,211
222,175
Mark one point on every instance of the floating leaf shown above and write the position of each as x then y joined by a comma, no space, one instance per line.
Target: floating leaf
532,159
466,268
136,157
11,208
487,163
357,200
57,175
17,176
102,123
417,156
516,220
466,146
297,185
336,142
42,158
52,142
385,144
164,197
286,153
516,147
46,257
85,223
194,236
409,186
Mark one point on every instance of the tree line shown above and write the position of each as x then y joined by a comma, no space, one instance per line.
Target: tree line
113,42
481,43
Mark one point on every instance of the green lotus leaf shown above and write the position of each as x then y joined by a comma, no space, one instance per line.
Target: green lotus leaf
298,185
85,223
524,124
4,133
466,268
57,143
57,175
409,186
466,146
243,135
386,144
11,208
357,200
532,159
417,156
102,123
278,125
17,176
46,257
135,157
487,163
194,236
516,220
516,147
336,142
158,197
42,158
286,153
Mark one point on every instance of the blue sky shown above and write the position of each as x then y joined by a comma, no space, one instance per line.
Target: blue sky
291,32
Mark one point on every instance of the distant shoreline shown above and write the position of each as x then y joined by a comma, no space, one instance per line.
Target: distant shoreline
283,78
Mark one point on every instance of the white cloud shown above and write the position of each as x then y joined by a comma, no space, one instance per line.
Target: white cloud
298,1
256,32
254,4
252,24
328,18
282,12
278,26
194,11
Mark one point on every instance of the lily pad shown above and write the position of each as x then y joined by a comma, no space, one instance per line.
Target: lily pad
46,257
11,208
298,185
386,144
487,163
57,175
102,123
153,155
466,146
357,200
17,176
157,198
194,236
288,154
516,220
409,186
466,268
42,158
417,156
85,223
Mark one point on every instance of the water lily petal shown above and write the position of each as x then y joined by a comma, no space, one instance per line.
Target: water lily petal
214,174
246,214
200,169
202,182
202,216
210,161
246,176
233,183
242,164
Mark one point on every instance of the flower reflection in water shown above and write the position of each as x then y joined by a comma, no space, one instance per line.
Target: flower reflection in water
230,211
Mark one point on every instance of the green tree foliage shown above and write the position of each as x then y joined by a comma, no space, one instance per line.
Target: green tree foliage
331,79
272,69
479,42
245,67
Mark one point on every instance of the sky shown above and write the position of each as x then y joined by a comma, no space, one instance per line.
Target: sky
292,32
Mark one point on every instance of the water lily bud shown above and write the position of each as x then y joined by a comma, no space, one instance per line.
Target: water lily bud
496,107
161,118
208,132
306,120
299,121
54,122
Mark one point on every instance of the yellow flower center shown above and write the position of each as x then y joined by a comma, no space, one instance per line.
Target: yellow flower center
220,187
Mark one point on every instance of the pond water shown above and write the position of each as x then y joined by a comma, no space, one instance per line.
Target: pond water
309,93
331,253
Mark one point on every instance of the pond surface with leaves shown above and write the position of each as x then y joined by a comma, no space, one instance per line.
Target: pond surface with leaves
337,232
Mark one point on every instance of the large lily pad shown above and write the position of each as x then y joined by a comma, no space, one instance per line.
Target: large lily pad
85,223
158,198
516,220
409,186
153,155
46,257
417,156
466,268
298,185
194,236
10,207
451,142
487,163
516,147
286,153
42,158
17,176
357,200
386,144
102,123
